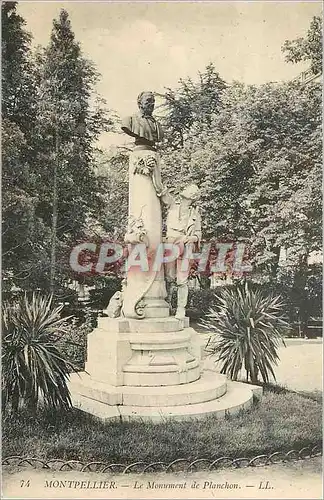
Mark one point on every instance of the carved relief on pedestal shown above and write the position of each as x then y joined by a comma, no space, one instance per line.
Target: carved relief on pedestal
136,232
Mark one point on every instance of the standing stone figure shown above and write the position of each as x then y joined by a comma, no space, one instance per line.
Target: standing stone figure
183,229
145,290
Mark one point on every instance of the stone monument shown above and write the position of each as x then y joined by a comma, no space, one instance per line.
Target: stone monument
142,362
145,289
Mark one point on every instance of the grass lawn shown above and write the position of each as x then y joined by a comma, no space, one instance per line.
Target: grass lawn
282,421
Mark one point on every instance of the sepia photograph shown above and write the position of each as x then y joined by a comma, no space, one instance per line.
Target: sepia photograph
161,247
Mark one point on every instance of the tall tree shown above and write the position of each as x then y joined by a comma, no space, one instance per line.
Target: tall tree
70,119
23,232
309,48
259,165
191,105
52,118
219,158
18,87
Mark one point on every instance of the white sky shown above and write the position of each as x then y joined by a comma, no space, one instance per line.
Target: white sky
150,45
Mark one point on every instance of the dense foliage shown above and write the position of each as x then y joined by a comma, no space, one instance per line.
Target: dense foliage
309,49
52,120
257,160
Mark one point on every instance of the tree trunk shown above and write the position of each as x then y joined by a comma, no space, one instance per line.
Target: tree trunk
54,213
252,368
300,286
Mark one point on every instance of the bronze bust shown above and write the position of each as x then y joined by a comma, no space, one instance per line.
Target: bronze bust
146,130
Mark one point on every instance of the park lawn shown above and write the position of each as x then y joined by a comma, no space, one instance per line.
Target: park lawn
282,421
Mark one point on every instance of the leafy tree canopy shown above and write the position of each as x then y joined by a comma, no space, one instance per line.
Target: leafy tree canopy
309,48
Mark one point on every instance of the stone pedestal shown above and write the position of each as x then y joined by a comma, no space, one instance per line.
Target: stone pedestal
151,352
151,369
108,351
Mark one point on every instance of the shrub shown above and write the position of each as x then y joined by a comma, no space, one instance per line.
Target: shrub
248,327
33,369
300,303
73,346
199,301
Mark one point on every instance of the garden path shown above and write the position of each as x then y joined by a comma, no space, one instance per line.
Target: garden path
300,367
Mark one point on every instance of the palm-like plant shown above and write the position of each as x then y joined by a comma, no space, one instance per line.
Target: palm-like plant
249,328
32,367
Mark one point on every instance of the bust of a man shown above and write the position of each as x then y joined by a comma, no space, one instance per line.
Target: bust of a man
146,130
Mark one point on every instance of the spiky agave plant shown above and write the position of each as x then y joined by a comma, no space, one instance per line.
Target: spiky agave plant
249,327
32,367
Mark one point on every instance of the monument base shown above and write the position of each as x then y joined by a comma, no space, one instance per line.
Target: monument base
151,369
212,395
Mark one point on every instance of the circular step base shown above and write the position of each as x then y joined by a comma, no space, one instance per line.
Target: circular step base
210,386
239,396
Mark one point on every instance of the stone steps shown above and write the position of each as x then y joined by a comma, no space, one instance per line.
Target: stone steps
237,397
210,386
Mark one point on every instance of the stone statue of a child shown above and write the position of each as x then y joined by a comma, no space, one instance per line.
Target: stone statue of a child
183,229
